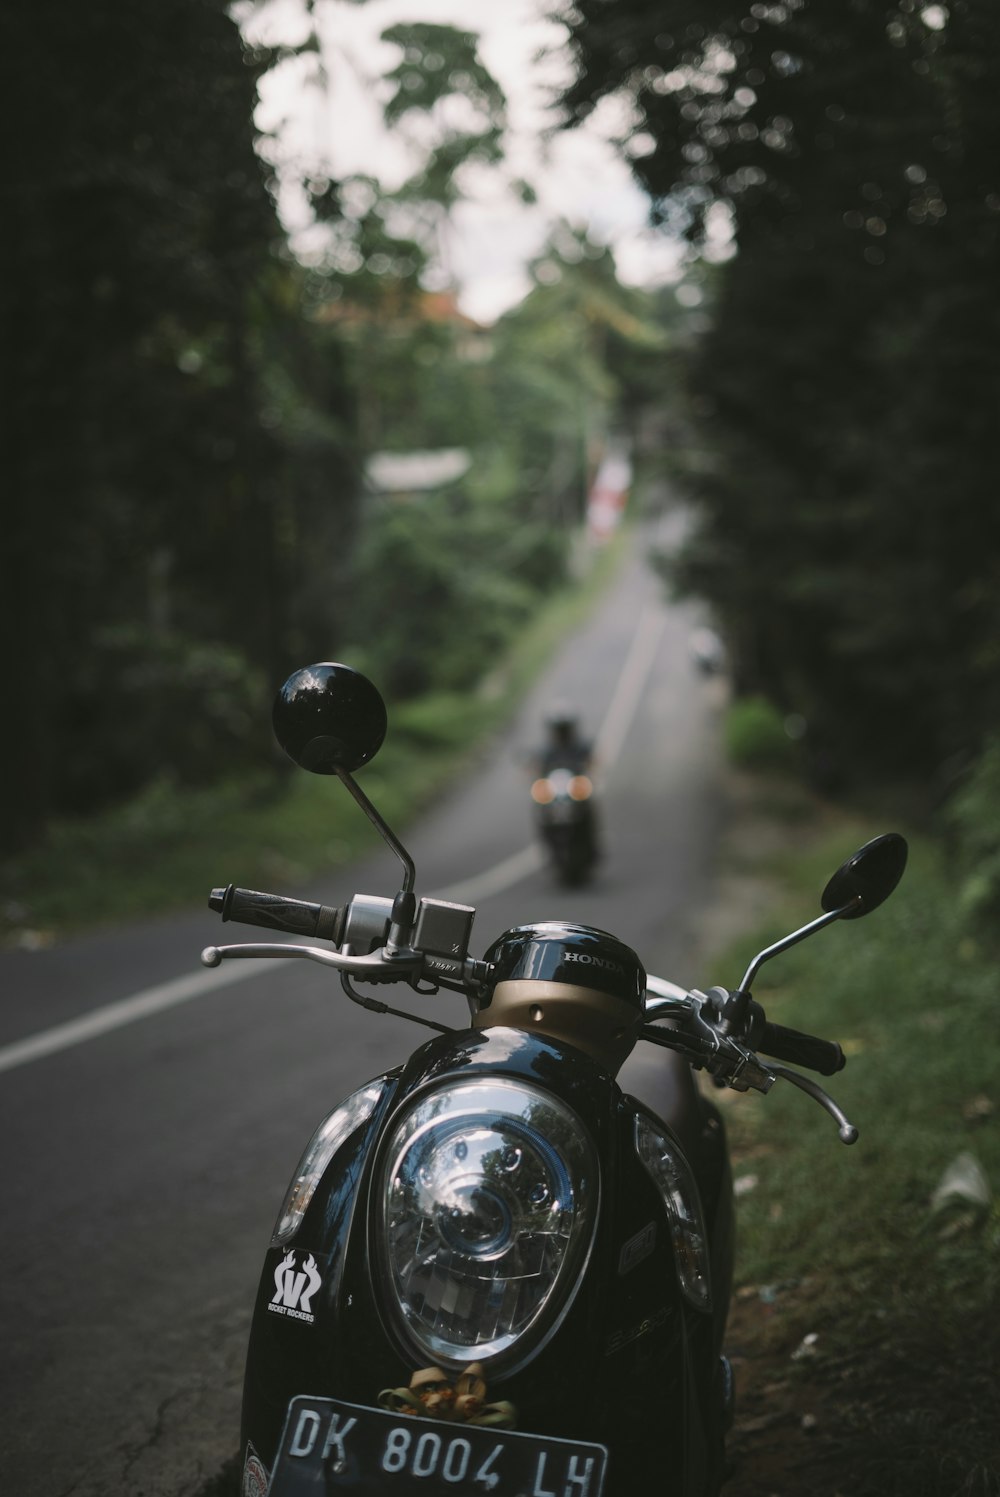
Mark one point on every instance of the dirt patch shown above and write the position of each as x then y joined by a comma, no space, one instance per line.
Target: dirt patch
912,1413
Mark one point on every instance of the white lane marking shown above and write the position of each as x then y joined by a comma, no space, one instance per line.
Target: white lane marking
504,875
631,684
125,1011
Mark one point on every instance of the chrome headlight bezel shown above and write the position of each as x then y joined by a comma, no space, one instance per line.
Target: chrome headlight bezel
486,1202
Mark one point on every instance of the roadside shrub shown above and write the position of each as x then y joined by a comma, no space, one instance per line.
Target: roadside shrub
440,720
756,736
439,593
186,711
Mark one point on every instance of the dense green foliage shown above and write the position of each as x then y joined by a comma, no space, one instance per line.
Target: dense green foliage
844,396
277,832
167,461
442,578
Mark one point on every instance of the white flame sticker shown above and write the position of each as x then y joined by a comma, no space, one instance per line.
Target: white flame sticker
294,1286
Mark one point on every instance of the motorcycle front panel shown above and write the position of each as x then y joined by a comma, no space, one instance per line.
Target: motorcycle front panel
630,1364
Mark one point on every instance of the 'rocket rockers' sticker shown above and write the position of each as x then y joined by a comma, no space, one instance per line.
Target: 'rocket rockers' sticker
296,1280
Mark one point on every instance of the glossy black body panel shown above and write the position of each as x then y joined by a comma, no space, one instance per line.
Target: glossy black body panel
578,955
632,1364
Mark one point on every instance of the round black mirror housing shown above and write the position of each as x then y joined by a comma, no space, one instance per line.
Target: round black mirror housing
868,878
329,718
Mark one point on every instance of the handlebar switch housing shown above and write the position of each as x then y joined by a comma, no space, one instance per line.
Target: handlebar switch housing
366,923
442,932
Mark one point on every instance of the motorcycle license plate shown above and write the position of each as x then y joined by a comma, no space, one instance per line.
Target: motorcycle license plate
329,1447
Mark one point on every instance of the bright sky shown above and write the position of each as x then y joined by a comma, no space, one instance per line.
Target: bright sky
578,175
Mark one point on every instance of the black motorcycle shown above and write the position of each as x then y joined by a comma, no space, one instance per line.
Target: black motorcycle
565,817
498,1268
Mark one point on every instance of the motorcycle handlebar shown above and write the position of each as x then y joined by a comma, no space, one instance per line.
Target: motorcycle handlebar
276,912
824,1056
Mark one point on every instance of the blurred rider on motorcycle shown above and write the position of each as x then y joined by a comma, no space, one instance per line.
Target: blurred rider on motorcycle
562,792
564,747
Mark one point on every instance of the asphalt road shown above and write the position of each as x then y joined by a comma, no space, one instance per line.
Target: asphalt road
146,1150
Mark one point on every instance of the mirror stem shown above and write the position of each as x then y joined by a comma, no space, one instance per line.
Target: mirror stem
409,871
793,940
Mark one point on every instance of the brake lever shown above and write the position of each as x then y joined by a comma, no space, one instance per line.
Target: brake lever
707,1046
846,1130
377,966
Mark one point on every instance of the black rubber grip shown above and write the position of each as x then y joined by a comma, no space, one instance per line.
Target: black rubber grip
299,918
824,1056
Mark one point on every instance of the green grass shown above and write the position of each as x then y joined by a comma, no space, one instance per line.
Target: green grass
912,999
901,1296
168,846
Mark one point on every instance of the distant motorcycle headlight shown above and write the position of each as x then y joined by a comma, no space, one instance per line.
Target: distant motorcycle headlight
488,1197
672,1178
325,1142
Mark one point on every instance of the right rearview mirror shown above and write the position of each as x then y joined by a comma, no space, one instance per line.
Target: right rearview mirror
867,878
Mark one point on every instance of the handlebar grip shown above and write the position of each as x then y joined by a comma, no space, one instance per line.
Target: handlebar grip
299,918
824,1056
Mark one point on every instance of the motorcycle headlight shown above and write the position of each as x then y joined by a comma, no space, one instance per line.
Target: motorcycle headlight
486,1216
325,1142
672,1178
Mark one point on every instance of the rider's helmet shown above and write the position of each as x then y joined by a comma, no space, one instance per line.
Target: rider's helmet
561,720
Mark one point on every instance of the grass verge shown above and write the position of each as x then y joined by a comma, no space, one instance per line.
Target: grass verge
166,848
869,1310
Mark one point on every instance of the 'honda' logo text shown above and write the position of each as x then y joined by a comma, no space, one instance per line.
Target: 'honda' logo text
605,963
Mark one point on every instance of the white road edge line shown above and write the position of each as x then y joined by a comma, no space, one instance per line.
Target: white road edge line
607,747
502,876
124,1011
631,684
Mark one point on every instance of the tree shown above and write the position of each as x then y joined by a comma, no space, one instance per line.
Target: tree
157,510
847,539
531,401
577,361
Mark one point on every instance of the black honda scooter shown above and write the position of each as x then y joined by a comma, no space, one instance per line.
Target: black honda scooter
498,1269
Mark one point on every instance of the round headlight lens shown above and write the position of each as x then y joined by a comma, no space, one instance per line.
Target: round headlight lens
487,1205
